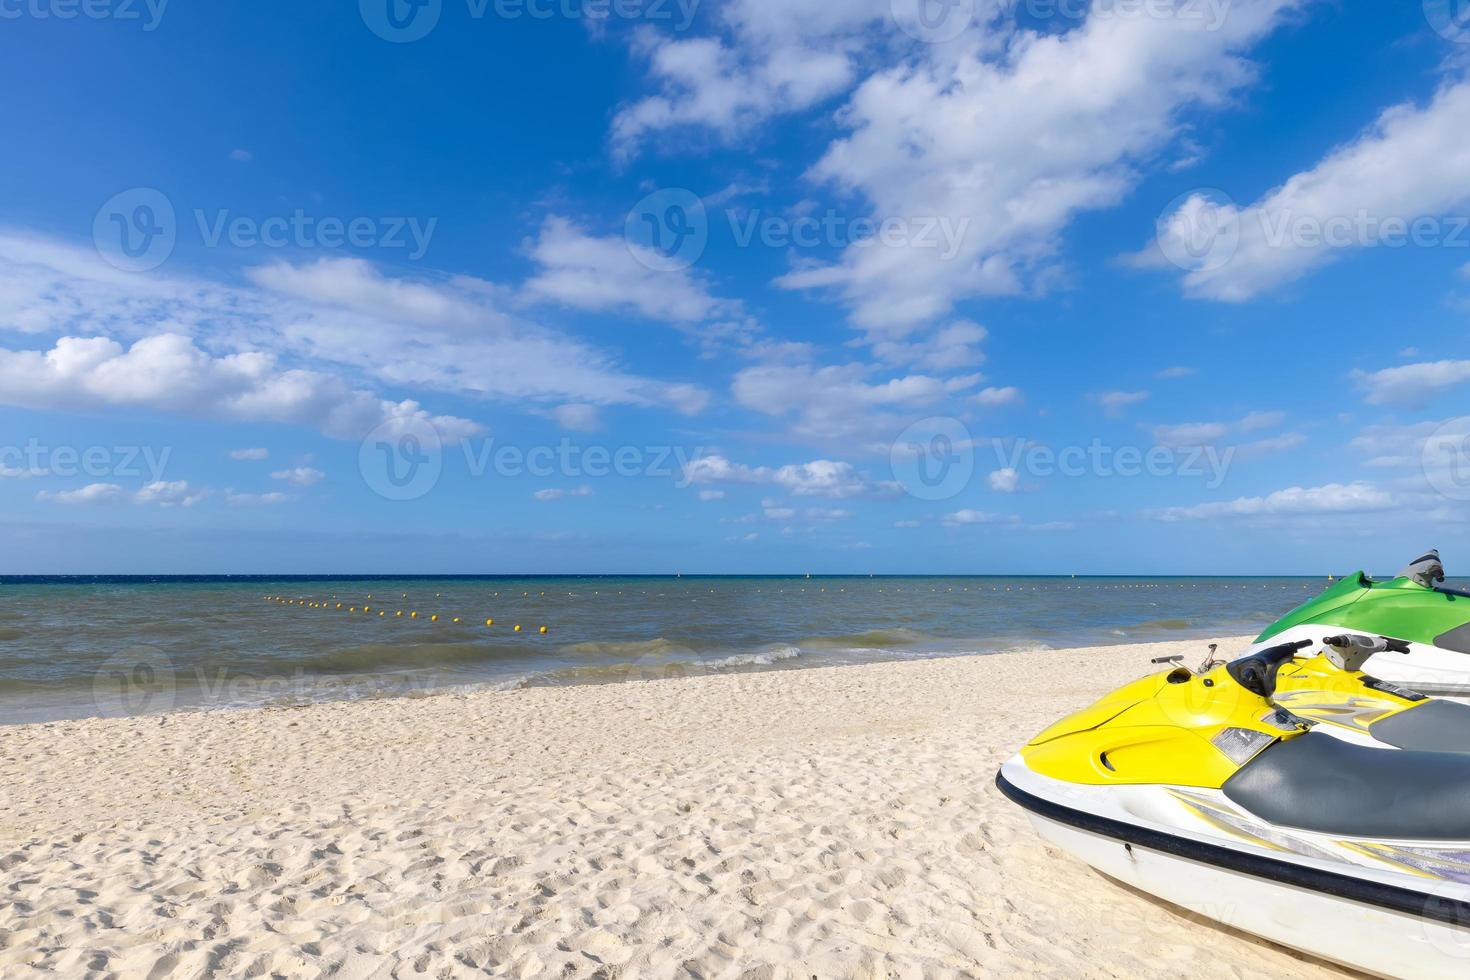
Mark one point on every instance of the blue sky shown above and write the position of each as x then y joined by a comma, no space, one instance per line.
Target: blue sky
1153,286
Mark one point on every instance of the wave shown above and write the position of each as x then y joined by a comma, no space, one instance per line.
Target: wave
868,640
351,660
646,669
629,649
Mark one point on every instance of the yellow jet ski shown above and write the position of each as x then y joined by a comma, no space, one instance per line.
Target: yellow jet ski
1200,789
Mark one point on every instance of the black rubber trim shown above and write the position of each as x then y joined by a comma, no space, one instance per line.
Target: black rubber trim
1392,897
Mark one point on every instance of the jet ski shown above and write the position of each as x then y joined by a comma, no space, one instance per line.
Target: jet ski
1414,608
1200,789
1331,689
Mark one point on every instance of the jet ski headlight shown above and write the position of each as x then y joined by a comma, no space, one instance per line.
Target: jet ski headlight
1241,745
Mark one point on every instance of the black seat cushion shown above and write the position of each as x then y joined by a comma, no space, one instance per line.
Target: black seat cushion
1433,726
1319,783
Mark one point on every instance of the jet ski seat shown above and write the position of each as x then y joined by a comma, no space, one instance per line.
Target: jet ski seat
1318,783
1441,726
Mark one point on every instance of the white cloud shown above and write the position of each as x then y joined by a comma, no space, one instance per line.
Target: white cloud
951,348
1406,447
1412,385
1188,434
92,493
1410,164
819,478
906,524
603,274
1333,498
316,338
557,493
1116,402
998,397
1005,480
300,476
236,499
1174,373
168,373
962,517
249,455
771,56
1016,139
577,418
170,493
708,495
834,403
241,156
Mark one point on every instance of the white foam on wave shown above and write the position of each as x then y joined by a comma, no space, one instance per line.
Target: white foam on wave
765,659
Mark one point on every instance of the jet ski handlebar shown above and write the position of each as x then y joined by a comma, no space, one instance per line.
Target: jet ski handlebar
1257,673
1372,644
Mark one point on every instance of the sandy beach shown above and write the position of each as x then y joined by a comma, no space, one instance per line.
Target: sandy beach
833,822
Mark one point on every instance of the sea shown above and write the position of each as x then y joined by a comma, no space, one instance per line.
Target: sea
86,646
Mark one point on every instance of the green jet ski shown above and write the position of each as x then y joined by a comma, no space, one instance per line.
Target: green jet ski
1428,623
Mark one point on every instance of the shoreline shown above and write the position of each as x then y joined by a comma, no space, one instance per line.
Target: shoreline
838,821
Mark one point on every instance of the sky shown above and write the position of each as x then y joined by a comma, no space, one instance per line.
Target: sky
734,286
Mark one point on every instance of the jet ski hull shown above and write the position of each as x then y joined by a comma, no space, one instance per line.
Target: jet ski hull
1193,848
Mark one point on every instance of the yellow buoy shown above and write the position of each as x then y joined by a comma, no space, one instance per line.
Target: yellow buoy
455,619
413,615
382,612
489,622
543,629
399,613
434,618
339,605
367,608
518,627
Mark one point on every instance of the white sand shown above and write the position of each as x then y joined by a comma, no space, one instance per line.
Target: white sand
839,822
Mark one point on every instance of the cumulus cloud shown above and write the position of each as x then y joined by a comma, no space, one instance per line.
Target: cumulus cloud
1409,165
169,373
170,493
1005,480
1332,498
1115,403
838,402
1411,385
998,397
558,493
92,493
1017,139
951,348
236,498
300,476
249,455
305,343
587,272
818,478
963,517
767,57
577,418
161,493
1194,434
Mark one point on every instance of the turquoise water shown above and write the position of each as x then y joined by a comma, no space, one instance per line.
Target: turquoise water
73,648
